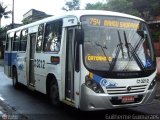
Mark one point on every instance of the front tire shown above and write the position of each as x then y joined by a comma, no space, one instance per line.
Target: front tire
54,94
15,79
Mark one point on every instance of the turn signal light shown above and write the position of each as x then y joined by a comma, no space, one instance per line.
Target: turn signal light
92,84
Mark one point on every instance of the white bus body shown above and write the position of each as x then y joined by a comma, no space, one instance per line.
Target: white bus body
91,60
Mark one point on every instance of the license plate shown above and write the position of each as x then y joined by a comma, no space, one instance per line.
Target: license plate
127,99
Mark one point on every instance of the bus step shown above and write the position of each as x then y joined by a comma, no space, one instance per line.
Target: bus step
31,87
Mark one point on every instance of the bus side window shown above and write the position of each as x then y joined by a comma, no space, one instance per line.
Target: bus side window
16,41
40,38
52,39
7,43
23,40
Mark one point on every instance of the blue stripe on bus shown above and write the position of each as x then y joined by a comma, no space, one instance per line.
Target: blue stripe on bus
10,59
97,78
104,82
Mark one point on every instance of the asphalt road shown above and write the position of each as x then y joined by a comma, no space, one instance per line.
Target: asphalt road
35,106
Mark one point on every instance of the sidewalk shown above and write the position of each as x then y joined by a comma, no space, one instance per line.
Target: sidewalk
5,110
1,110
9,113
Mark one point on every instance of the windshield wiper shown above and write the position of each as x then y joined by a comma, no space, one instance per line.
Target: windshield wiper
119,46
133,52
115,58
127,44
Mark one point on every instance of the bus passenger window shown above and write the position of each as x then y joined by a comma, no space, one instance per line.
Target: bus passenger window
52,40
23,40
40,38
7,43
16,41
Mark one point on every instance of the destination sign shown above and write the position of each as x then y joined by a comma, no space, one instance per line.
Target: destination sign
108,21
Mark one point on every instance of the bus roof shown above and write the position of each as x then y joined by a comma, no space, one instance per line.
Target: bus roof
78,14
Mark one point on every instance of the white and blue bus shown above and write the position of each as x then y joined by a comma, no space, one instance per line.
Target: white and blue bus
91,60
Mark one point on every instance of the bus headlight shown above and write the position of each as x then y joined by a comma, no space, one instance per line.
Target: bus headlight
90,83
152,83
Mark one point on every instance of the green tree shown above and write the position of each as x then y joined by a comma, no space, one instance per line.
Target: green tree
125,6
146,9
2,39
96,6
3,12
155,9
72,5
26,21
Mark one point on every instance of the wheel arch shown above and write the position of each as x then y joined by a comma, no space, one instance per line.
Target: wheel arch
49,79
14,67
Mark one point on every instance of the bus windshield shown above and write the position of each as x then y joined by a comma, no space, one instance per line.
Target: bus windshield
117,44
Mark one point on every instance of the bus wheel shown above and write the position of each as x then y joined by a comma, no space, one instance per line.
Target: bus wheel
54,94
15,79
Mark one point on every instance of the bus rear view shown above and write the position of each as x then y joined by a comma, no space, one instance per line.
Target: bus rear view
119,57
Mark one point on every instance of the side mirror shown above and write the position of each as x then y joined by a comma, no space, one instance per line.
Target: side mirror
78,36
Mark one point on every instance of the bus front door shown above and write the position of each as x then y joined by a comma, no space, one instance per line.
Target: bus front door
31,54
69,74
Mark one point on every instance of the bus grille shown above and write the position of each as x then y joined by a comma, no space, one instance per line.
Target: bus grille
123,89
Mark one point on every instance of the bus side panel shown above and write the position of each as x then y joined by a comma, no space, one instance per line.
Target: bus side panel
21,68
43,67
7,64
40,72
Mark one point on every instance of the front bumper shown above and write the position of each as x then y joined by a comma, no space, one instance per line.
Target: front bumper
91,101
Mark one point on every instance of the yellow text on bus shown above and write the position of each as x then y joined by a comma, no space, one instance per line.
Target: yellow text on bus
111,23
99,58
